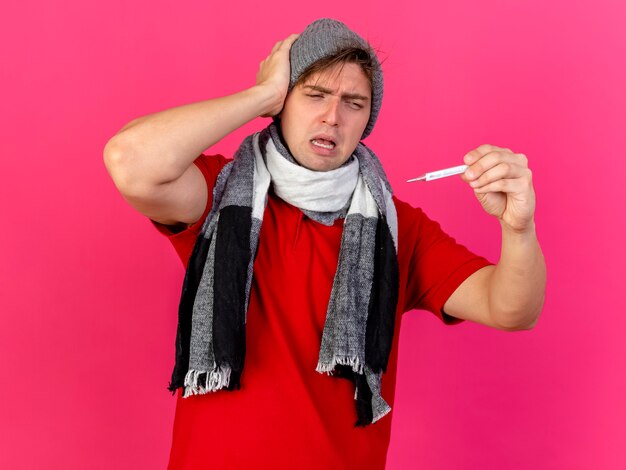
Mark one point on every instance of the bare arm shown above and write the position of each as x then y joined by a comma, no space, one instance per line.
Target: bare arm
151,158
510,295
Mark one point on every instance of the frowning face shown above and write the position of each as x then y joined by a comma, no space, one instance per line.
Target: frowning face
323,118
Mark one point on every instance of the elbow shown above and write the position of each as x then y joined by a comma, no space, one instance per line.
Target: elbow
121,164
520,322
115,161
517,316
115,148
112,155
527,326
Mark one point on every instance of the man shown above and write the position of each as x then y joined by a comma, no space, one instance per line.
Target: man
301,262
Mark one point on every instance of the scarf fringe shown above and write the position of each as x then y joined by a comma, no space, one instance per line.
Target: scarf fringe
329,367
382,413
214,380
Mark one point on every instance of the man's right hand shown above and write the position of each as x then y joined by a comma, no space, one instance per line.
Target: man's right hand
274,73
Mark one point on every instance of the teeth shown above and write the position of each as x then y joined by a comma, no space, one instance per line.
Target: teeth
328,146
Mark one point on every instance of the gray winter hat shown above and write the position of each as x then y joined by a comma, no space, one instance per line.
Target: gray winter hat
325,37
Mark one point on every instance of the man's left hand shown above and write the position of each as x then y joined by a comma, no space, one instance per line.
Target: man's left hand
503,184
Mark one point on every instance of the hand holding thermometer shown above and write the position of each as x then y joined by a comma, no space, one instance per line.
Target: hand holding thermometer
433,175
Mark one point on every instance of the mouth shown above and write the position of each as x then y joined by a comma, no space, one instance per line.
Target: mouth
323,142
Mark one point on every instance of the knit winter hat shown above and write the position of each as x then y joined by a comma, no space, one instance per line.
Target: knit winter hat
325,37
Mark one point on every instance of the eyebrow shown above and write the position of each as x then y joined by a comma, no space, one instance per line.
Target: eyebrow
348,96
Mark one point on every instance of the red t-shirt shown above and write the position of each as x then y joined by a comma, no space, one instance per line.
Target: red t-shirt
286,415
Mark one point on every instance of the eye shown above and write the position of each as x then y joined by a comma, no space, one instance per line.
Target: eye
315,95
355,105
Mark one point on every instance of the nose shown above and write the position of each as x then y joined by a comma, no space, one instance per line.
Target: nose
331,113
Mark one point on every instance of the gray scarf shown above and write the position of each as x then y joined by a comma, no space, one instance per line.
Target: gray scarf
358,332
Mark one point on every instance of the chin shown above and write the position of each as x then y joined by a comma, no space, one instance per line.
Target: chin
322,165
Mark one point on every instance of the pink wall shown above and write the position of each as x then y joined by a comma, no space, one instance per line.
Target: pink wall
89,290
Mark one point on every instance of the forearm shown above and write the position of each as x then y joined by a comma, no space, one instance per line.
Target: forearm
159,147
517,285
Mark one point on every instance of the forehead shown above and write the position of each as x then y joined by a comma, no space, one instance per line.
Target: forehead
341,78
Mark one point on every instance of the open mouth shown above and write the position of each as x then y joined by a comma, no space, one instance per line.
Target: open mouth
323,143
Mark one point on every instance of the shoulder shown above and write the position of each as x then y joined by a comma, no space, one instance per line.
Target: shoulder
411,218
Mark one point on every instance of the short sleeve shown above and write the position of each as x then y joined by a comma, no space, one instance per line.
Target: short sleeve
184,240
436,264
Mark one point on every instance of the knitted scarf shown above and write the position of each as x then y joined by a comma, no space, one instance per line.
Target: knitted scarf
358,331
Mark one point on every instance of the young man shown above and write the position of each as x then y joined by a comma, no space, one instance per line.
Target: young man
301,262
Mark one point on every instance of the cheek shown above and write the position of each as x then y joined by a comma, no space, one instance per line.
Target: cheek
357,133
291,135
360,124
289,121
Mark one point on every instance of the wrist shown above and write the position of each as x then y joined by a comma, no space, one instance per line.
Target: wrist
525,232
270,100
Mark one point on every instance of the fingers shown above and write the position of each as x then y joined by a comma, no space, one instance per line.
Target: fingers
505,185
479,152
290,39
504,167
279,47
285,43
502,182
274,74
489,164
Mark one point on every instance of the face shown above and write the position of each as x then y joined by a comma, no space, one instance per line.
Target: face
323,118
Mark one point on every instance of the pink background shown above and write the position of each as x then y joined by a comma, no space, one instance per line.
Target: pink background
89,290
